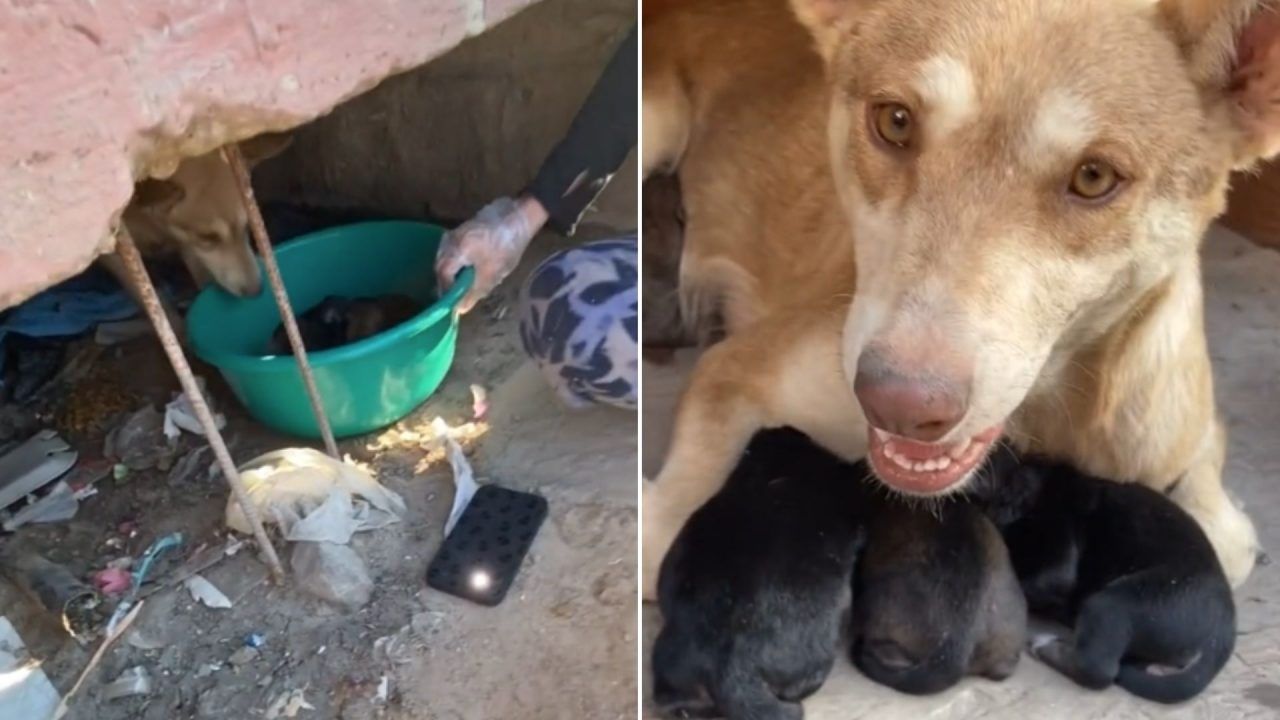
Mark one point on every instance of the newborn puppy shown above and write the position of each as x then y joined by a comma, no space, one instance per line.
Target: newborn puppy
337,321
1123,565
757,586
937,598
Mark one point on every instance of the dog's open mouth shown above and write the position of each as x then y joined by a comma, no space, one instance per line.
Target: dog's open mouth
920,468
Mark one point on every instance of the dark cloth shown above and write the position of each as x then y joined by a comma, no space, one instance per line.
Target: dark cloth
602,134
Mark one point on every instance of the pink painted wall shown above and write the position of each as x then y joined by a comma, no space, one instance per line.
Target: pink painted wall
94,93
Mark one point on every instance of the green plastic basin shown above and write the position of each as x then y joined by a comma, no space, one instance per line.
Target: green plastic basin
365,385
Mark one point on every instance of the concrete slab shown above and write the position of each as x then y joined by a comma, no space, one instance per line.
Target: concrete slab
97,94
1243,318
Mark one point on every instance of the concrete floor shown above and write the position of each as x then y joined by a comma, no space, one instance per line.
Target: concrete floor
1243,318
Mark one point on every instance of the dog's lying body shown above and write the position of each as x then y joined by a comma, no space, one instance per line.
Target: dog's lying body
935,598
198,215
757,586
1025,206
1123,565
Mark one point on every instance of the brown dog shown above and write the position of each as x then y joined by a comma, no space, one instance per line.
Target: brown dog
1024,185
197,214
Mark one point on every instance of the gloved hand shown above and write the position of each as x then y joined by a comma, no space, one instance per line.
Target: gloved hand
491,242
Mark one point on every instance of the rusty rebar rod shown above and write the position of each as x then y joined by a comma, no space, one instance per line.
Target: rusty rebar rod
258,228
169,341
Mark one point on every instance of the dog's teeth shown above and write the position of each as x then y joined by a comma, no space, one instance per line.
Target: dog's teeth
881,435
943,462
931,465
902,461
957,451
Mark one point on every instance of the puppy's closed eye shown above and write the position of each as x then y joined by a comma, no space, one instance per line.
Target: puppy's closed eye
890,654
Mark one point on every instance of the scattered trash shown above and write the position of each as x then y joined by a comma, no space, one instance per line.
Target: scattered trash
120,331
335,520
288,705
334,573
255,640
179,415
195,467
113,581
207,669
243,656
60,503
288,485
206,592
114,631
134,681
479,401
55,588
427,623
43,458
123,563
200,560
395,648
139,442
140,574
139,639
119,472
463,478
384,690
26,691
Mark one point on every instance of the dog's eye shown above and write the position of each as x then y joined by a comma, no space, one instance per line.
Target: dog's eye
1094,180
893,124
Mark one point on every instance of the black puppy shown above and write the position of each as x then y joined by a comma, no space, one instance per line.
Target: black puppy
937,598
337,321
756,587
1123,565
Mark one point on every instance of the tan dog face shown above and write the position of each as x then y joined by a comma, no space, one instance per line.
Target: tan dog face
1020,173
200,209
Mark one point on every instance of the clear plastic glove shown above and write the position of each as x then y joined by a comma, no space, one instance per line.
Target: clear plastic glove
491,242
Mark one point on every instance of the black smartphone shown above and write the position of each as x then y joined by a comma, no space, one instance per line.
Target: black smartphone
480,558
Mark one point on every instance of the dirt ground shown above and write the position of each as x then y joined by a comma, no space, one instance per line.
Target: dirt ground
1243,319
562,645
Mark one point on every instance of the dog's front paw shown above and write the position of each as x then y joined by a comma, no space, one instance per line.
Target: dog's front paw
1234,539
658,532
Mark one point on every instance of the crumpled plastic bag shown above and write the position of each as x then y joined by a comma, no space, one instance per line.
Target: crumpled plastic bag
310,496
463,477
179,415
334,573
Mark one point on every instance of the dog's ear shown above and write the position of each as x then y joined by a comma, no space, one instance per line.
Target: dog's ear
1233,50
159,196
826,20
263,147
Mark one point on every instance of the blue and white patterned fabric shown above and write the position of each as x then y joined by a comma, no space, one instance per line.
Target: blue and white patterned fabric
578,317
